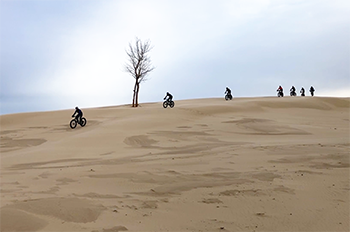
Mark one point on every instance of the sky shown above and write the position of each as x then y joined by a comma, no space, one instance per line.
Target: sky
58,54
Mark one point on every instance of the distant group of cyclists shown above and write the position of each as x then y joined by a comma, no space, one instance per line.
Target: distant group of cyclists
279,90
293,91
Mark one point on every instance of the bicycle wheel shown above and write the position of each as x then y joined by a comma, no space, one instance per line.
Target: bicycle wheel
83,122
73,124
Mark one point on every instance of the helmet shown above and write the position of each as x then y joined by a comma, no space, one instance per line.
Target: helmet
167,92
76,107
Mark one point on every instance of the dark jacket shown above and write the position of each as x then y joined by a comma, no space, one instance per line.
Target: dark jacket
78,112
169,96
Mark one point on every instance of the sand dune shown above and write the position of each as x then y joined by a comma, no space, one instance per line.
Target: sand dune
250,164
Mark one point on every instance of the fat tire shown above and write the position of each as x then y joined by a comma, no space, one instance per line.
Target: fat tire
228,97
73,123
171,104
165,104
83,122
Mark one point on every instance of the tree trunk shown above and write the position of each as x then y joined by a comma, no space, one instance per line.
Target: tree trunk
137,94
134,96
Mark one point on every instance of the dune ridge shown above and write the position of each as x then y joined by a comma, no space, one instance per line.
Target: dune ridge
250,164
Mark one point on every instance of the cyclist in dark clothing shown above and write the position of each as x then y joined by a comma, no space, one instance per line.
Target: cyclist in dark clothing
169,96
78,114
228,91
312,90
292,91
302,91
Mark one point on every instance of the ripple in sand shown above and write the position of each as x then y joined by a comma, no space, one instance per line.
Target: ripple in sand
141,141
245,192
113,229
66,209
17,220
211,201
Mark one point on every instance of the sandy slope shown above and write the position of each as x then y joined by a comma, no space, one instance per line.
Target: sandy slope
250,164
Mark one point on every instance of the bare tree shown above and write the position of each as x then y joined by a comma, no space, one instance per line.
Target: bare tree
139,65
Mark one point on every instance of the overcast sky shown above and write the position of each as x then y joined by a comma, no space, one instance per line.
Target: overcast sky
58,54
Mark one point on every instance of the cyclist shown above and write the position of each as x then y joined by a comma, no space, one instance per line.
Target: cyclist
312,90
78,114
280,91
169,96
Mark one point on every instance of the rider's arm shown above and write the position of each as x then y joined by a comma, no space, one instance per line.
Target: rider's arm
74,113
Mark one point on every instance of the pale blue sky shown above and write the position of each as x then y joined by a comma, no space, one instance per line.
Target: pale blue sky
58,54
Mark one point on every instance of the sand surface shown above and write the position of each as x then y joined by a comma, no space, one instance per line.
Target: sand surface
250,164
